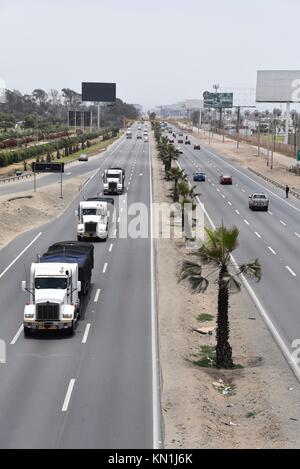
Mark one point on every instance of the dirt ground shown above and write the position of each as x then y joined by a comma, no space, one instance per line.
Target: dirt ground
247,156
264,408
27,210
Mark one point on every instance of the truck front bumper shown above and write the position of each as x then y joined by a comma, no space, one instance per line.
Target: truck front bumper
47,325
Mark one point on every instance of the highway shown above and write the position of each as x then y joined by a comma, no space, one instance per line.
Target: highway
95,389
273,237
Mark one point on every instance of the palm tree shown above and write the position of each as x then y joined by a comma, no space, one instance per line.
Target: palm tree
176,174
216,252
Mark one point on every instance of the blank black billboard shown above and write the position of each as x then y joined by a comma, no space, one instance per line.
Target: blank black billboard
98,92
48,167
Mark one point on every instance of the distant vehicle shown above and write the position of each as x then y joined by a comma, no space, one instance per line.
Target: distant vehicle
180,140
187,141
174,135
138,136
225,179
170,130
113,181
179,149
139,127
83,157
145,132
199,176
18,172
258,202
197,147
146,139
180,134
171,140
128,134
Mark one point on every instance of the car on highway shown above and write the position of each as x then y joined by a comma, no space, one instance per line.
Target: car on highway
171,140
179,149
199,176
187,141
197,147
258,202
18,172
225,179
180,140
138,136
146,139
83,157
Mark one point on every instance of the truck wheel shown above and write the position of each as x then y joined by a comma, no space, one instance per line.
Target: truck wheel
27,332
266,209
78,238
70,330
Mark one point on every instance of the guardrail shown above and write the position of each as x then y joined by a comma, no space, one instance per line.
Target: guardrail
275,183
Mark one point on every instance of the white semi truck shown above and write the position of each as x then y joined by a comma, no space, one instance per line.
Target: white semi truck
93,218
113,181
56,286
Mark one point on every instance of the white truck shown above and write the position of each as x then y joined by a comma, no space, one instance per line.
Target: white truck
128,134
56,286
113,181
93,218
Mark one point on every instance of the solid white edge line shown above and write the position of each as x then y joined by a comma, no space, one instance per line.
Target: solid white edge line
19,255
86,333
68,395
97,295
291,271
156,385
17,335
278,339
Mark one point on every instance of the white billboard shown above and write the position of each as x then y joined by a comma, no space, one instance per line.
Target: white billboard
278,86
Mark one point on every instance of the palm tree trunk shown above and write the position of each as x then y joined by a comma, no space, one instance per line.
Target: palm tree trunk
223,348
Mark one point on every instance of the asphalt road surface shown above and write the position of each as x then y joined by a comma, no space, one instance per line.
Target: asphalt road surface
95,389
273,237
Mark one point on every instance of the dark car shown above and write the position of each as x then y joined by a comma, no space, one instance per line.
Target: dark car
187,142
138,136
225,179
199,176
180,140
197,147
171,140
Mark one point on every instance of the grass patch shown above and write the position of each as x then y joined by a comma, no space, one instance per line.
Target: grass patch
250,415
92,150
205,317
207,357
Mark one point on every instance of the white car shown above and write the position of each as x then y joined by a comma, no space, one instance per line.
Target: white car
146,139
179,149
83,157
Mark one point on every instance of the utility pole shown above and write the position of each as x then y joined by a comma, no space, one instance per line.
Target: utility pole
238,126
258,138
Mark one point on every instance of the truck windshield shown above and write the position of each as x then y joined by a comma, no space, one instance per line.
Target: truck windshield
42,283
89,211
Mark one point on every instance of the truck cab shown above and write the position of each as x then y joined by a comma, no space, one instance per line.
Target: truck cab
93,218
54,297
128,134
56,287
113,181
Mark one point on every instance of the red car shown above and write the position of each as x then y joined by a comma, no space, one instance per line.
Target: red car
197,147
225,179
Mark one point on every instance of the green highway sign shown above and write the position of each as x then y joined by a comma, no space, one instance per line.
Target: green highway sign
298,155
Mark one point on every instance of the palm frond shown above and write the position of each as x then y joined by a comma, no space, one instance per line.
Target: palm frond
251,270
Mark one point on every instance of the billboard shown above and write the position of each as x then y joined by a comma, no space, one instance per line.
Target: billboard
217,100
48,167
98,92
278,86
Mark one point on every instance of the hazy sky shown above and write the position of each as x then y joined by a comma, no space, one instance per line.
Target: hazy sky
158,52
